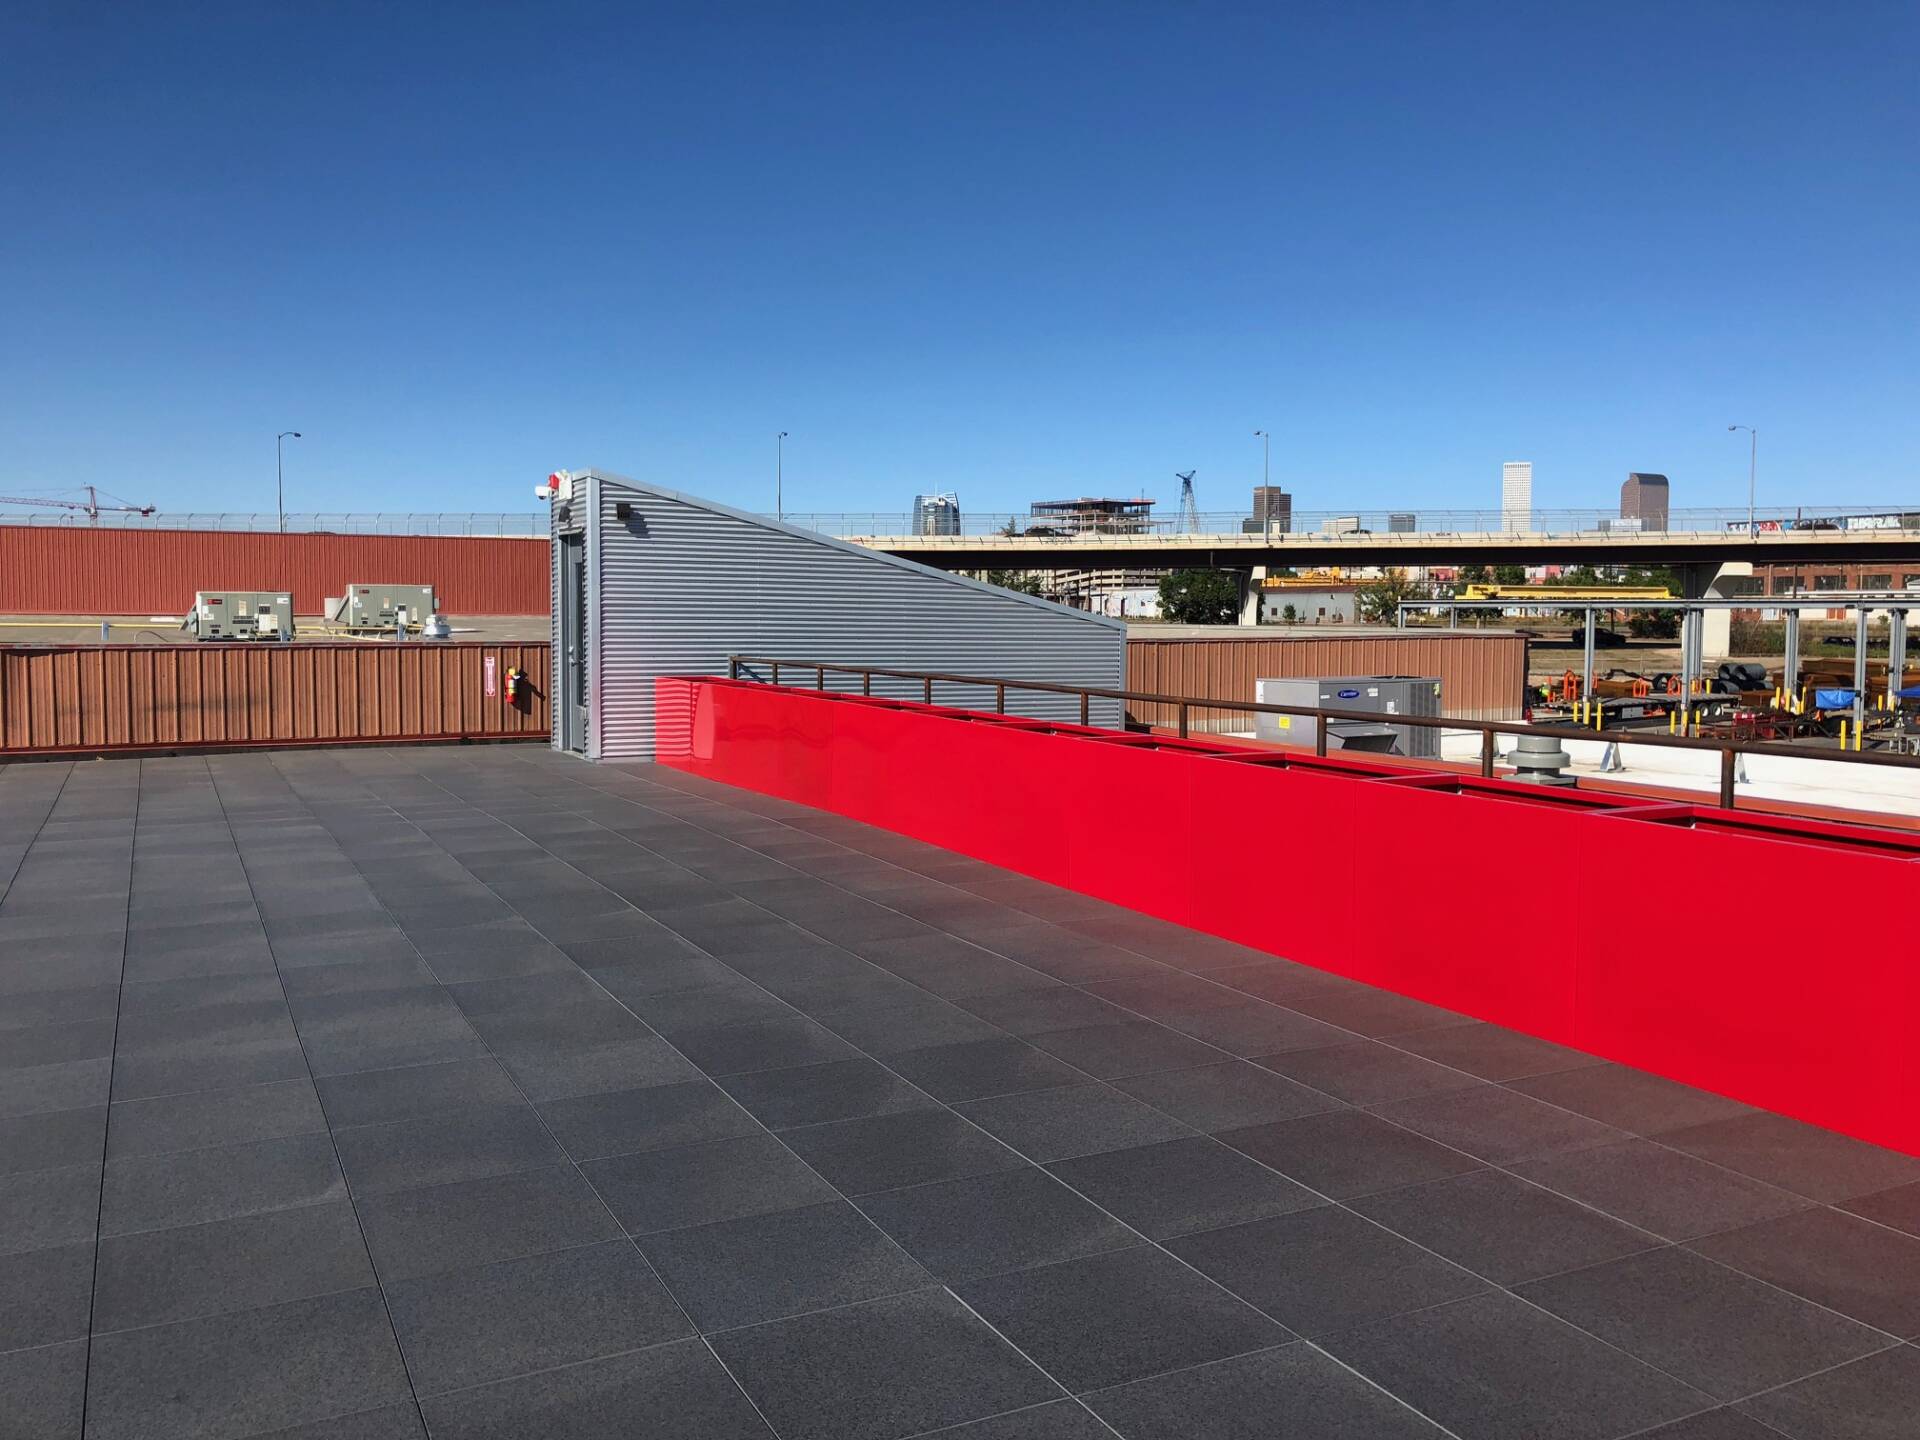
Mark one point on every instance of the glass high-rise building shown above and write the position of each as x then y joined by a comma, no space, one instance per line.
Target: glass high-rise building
936,514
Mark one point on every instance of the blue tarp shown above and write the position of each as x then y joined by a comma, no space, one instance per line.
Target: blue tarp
1912,692
1833,699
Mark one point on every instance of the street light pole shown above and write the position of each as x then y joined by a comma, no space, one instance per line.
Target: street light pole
280,475
779,475
1753,465
1266,480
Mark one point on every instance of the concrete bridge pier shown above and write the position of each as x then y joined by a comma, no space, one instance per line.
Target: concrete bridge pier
1250,594
1713,582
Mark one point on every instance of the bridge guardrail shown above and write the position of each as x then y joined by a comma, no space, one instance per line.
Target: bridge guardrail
1376,525
1370,526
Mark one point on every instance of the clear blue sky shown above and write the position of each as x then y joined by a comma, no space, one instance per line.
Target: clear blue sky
1011,250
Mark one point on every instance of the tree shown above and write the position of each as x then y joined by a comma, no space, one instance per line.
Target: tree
1200,597
1024,581
1380,599
1584,575
1652,624
1509,574
1473,575
1289,615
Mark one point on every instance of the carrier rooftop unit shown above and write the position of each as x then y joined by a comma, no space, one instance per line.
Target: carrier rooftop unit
1385,695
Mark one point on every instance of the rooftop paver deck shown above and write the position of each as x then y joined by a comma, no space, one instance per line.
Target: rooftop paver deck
485,1093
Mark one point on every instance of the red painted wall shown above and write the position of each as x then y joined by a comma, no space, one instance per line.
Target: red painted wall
1386,880
46,570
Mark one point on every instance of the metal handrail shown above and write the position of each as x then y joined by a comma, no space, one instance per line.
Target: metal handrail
1728,750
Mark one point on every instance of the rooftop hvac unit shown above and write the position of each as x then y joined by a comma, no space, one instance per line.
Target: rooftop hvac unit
1384,695
240,615
378,607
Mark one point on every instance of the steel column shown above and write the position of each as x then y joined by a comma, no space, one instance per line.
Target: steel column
1859,673
1790,662
1896,653
1689,660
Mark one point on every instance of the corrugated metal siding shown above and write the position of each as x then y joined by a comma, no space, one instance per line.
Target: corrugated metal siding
108,697
553,619
1482,677
49,571
680,586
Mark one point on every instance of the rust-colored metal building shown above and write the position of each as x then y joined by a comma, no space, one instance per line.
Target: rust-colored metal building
93,698
1483,674
49,570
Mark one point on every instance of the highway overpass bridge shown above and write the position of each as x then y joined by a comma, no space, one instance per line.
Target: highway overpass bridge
1687,551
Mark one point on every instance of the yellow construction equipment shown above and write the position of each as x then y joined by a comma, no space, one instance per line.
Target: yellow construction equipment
1552,594
1306,580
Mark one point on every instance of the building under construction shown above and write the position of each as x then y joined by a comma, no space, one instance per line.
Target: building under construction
1090,516
1107,591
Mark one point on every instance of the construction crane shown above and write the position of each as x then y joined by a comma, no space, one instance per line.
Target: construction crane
91,505
1189,507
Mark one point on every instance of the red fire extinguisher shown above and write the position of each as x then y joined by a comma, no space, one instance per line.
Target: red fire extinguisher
514,678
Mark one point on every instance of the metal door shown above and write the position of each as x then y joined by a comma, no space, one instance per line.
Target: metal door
571,712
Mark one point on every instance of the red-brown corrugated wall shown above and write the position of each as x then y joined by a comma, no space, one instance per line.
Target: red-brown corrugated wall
76,571
131,697
1483,676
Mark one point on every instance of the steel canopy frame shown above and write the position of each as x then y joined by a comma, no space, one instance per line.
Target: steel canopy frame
1863,603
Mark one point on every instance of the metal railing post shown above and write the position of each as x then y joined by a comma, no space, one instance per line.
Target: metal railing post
776,672
733,667
1000,699
819,677
866,682
1486,754
1728,755
1182,714
1084,697
1320,738
927,691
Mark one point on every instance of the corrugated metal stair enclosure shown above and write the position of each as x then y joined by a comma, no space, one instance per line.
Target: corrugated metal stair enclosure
650,582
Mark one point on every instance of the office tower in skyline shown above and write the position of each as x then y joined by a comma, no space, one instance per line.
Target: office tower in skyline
936,514
1516,497
1643,497
1272,510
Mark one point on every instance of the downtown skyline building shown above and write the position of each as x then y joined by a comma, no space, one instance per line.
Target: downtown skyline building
1516,497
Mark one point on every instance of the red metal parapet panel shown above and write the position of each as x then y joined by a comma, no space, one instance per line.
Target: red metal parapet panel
56,570
1825,1038
105,698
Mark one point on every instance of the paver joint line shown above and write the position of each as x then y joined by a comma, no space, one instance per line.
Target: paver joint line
781,945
